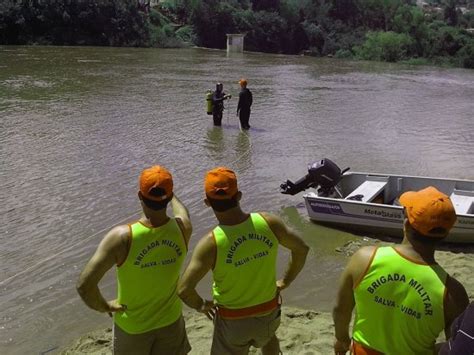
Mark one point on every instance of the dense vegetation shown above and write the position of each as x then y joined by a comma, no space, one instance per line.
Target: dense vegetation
71,22
389,30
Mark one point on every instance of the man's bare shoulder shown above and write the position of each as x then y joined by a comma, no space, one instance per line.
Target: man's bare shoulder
207,241
269,217
205,251
360,261
273,221
117,237
365,253
185,227
120,231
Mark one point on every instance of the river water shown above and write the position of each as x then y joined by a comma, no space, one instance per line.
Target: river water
77,125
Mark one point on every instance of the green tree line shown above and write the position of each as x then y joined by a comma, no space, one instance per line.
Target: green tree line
73,22
388,30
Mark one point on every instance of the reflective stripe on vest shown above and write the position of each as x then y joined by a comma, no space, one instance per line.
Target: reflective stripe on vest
399,305
245,269
148,278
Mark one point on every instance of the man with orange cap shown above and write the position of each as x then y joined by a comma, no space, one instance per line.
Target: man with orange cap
403,299
245,102
241,252
148,255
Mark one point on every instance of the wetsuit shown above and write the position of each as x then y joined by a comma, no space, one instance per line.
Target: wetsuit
243,107
218,98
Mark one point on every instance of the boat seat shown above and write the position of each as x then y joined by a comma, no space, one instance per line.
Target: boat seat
367,191
463,201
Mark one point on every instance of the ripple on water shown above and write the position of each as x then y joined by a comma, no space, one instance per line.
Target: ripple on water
80,125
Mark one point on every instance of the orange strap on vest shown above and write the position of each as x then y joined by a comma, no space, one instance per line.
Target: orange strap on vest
359,349
266,307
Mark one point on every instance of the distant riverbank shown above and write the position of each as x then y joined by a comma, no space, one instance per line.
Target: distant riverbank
392,31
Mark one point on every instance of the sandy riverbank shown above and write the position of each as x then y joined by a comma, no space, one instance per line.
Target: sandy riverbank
301,331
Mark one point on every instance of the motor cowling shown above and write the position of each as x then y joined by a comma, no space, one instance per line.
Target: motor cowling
324,173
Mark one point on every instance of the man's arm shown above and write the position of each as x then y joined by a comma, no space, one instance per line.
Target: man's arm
217,99
112,250
239,104
455,303
290,240
181,213
342,312
202,261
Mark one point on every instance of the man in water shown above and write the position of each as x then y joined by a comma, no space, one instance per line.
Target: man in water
218,98
245,102
403,298
241,252
148,255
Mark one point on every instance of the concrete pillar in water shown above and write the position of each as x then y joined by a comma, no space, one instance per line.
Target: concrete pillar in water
235,42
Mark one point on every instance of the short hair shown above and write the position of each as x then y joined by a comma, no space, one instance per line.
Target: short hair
156,205
223,205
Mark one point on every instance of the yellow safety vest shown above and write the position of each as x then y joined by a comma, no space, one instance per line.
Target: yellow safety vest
245,268
399,305
148,278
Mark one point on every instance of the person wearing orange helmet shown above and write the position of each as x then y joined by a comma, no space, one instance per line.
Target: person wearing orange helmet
244,104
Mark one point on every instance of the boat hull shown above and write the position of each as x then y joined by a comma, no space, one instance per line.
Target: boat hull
377,218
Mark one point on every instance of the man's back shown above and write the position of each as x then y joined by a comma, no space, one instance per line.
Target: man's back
245,267
148,255
155,256
245,99
403,297
242,253
404,293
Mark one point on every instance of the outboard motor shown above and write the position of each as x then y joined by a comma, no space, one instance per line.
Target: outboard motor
324,173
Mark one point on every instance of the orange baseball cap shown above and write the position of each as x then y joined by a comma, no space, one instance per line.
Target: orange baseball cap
243,82
220,183
428,209
156,177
